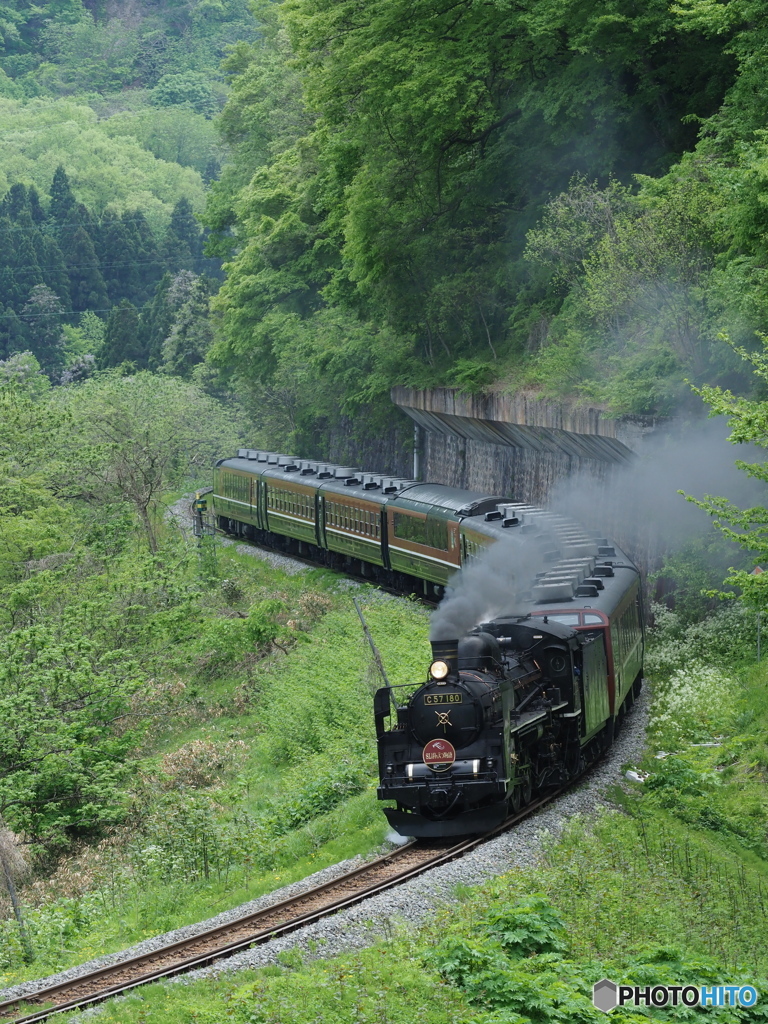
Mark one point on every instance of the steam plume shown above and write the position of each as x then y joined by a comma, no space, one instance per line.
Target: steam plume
493,584
638,506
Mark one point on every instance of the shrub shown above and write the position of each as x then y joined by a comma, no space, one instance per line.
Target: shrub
201,763
727,638
693,704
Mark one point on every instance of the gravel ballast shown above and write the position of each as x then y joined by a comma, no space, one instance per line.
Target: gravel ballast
408,905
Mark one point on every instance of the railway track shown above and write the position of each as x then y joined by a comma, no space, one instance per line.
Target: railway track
224,940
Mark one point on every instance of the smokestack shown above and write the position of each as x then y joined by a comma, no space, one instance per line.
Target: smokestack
447,651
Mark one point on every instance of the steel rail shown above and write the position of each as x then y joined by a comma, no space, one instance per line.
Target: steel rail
256,936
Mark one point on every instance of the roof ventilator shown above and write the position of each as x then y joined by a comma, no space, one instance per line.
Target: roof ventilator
606,571
562,591
594,581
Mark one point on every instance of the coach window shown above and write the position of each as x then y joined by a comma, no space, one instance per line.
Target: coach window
437,534
410,528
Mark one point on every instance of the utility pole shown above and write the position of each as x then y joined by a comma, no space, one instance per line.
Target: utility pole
758,571
372,645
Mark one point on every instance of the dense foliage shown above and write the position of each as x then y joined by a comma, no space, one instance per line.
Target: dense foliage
555,196
80,467
67,46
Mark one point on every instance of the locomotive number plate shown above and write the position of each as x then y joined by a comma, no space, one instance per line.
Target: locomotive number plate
442,698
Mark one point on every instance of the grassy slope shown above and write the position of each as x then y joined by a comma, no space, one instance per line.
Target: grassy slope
256,774
672,888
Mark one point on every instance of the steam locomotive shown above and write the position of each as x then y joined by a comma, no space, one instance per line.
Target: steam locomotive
518,705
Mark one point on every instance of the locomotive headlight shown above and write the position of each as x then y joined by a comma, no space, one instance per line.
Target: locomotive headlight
439,670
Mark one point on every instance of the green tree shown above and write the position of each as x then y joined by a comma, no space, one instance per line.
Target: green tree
122,338
54,270
15,201
149,265
36,210
191,332
191,88
86,283
136,437
12,338
118,260
23,263
748,421
156,321
62,197
183,243
63,760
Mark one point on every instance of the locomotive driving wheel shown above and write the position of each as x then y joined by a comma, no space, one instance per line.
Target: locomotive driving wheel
521,794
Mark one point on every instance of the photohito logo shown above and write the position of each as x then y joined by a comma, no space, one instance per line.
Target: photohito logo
607,995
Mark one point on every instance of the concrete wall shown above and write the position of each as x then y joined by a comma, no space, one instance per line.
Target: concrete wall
386,450
537,450
518,473
526,421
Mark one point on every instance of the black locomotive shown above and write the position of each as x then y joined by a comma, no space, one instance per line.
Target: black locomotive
518,705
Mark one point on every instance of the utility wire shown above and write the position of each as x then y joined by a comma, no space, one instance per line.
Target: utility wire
98,263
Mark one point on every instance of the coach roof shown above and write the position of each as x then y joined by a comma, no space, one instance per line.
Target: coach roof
448,499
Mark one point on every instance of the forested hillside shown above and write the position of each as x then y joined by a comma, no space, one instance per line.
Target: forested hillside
556,195
561,197
229,222
107,116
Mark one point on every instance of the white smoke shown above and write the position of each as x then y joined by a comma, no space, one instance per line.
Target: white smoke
638,507
495,583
